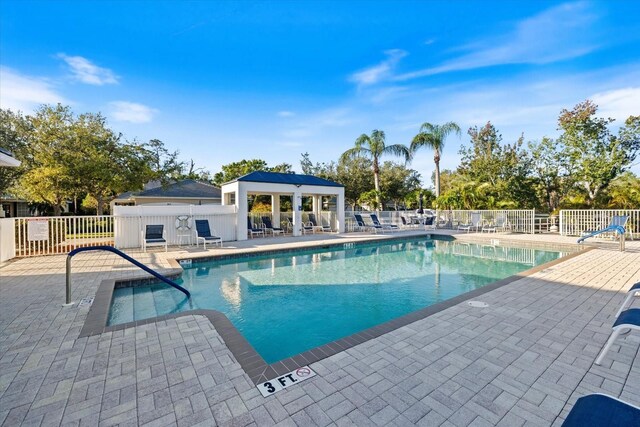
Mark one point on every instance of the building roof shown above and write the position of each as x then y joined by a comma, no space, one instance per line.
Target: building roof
287,178
187,189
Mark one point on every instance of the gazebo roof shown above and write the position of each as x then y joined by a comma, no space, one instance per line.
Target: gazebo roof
286,178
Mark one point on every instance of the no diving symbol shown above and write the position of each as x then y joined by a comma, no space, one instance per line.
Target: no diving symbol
303,372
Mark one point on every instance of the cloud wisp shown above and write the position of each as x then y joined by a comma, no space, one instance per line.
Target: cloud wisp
87,72
25,93
132,112
556,34
379,72
618,104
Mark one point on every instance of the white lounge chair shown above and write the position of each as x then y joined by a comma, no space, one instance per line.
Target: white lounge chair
476,223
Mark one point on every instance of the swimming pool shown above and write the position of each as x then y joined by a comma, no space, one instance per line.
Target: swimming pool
286,303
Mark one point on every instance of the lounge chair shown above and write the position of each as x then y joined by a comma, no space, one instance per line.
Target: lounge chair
154,235
364,226
628,319
407,223
633,291
268,226
376,222
314,223
429,223
476,220
252,230
600,410
203,232
306,228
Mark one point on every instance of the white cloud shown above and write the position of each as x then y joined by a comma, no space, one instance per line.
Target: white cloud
87,72
381,71
286,114
25,93
131,112
618,104
562,32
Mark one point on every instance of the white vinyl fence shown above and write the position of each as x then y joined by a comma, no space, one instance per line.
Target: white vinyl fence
519,221
60,234
129,221
575,222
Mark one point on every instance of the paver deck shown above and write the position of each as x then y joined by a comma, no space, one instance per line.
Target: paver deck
523,360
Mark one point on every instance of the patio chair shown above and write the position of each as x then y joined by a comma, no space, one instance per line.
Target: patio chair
364,226
203,232
154,235
633,291
268,226
429,223
628,319
314,223
376,222
476,220
407,223
252,230
600,410
306,228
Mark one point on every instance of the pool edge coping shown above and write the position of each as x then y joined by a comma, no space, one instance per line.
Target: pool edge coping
249,359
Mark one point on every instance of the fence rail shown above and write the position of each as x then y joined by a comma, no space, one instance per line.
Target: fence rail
576,222
519,221
59,235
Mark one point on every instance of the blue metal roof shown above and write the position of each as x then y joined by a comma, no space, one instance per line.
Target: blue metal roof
287,178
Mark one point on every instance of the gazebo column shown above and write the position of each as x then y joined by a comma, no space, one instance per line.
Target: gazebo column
297,213
275,210
317,204
241,206
340,211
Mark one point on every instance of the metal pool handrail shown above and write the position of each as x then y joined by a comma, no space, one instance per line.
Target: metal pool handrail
123,255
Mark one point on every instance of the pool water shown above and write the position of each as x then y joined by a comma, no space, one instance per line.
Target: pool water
288,303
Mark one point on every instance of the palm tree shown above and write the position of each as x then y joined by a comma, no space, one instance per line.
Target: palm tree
374,147
433,136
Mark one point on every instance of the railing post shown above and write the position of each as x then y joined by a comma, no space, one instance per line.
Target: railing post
68,302
533,221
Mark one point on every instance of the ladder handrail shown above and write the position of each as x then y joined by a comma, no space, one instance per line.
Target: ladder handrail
126,257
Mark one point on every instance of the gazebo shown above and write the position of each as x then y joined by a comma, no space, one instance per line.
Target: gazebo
282,184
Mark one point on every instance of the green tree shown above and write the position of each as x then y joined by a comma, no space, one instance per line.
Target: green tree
354,174
396,181
594,155
50,152
13,128
373,147
500,173
235,170
433,137
624,192
164,165
548,168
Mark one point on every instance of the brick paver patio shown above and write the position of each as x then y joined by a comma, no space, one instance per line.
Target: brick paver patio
523,360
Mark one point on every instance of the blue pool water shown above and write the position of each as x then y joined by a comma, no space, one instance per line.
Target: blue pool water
288,303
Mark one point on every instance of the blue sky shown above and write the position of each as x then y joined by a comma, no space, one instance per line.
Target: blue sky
226,81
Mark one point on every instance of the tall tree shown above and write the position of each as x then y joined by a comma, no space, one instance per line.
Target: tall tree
373,147
499,173
433,137
13,128
235,170
49,155
594,155
397,181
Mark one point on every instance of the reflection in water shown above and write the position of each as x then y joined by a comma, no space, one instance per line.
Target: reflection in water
230,289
